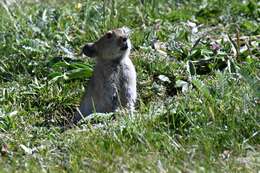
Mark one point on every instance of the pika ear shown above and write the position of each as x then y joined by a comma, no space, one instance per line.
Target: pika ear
89,50
109,34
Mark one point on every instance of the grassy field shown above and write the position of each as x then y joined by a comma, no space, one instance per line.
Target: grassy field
198,87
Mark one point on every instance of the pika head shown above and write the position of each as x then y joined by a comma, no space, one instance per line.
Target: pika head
113,45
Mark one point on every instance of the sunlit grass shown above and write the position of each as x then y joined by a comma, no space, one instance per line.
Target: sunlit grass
198,87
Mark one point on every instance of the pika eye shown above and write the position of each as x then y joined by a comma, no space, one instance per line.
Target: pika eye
109,34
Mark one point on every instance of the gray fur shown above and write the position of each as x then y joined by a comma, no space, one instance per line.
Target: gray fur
113,84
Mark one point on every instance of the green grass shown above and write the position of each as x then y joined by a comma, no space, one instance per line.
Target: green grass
198,95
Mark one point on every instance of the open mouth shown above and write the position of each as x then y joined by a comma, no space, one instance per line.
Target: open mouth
124,47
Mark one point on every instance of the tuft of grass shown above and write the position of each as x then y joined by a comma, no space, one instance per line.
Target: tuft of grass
198,87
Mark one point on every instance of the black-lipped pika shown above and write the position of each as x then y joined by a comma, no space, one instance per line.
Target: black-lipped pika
113,84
